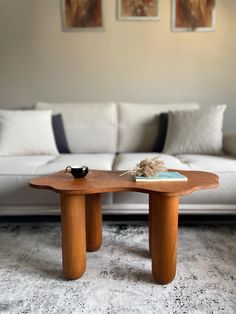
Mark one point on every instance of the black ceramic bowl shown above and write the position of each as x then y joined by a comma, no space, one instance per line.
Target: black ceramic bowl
77,172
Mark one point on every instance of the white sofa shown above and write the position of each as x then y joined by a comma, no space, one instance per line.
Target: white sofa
114,136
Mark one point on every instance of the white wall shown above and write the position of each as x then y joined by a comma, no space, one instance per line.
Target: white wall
130,60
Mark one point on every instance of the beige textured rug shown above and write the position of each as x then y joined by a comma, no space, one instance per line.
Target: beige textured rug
118,277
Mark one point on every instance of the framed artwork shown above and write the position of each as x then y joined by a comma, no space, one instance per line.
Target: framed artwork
82,15
193,15
138,9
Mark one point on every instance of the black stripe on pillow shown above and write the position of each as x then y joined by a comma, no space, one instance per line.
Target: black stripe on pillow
59,134
161,135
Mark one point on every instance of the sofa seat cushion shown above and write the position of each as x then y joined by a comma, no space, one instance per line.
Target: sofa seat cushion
41,165
16,172
128,161
211,163
225,194
223,166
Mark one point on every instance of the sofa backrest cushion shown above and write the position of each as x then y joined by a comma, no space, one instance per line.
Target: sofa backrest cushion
89,127
138,124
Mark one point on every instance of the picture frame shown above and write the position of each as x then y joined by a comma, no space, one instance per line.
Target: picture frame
138,10
193,16
82,15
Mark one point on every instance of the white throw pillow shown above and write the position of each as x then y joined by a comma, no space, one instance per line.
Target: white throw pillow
26,132
195,132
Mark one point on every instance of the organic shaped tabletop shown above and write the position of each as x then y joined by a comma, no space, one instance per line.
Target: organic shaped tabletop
101,181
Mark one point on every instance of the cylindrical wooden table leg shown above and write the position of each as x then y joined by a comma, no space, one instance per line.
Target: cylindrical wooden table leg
73,235
164,236
150,223
93,222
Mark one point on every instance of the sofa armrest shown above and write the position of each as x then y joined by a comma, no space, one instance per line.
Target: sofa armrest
229,144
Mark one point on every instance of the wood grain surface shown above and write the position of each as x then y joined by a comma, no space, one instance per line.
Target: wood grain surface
73,235
93,222
164,232
101,181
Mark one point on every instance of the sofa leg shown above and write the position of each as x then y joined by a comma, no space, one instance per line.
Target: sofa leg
93,222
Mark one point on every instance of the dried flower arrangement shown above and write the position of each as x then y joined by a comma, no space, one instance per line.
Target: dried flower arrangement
147,168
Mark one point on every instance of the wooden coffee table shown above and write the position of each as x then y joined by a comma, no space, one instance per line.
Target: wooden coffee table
81,215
